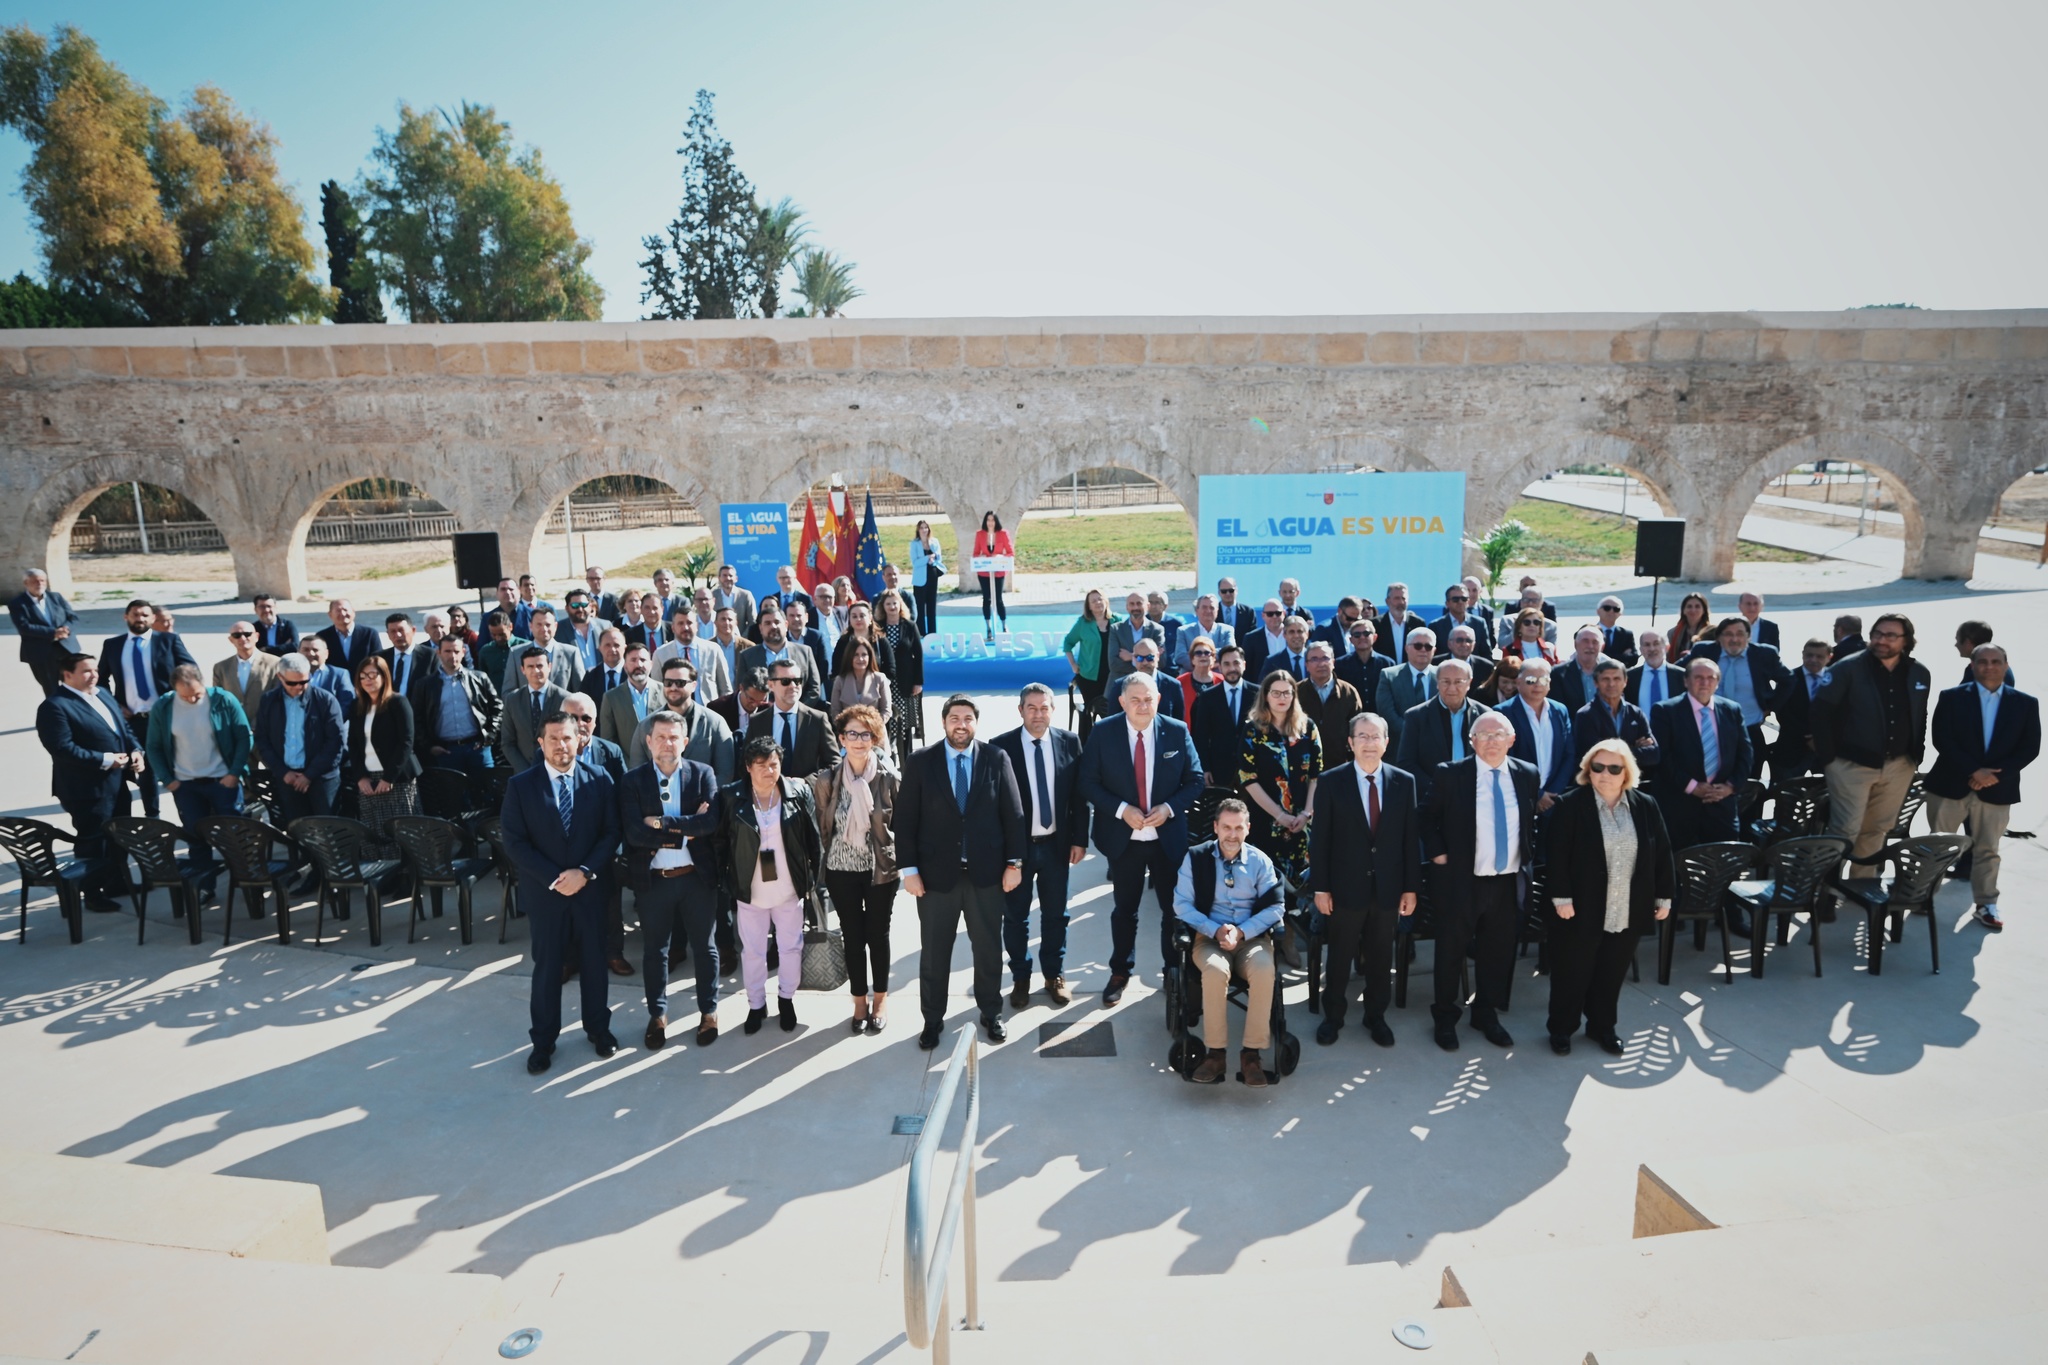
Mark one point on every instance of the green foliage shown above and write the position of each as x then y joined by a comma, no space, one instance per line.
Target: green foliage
148,217
461,228
778,235
705,264
344,228
1865,307
700,564
1496,548
30,303
825,283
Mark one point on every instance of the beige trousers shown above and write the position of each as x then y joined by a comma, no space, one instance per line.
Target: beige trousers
1863,803
1253,960
1946,814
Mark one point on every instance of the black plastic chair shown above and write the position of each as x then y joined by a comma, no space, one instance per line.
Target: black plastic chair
33,846
1799,872
1799,808
153,844
1705,872
245,846
431,849
336,846
1918,866
450,794
1916,797
259,795
492,831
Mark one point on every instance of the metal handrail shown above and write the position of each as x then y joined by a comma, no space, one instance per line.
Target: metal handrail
927,1288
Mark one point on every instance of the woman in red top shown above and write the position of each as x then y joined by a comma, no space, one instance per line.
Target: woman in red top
992,539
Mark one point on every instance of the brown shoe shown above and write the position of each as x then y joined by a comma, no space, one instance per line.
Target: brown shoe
1020,994
621,967
1248,1063
1209,1070
657,1033
1056,988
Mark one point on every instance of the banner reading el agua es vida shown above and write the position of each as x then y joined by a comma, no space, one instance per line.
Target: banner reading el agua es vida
755,540
1337,534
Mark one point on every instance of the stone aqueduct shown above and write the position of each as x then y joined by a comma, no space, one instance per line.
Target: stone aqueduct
258,426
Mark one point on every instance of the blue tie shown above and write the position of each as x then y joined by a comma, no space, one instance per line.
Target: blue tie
404,666
1710,745
141,665
960,781
1038,771
1500,823
1653,685
562,803
1457,737
789,736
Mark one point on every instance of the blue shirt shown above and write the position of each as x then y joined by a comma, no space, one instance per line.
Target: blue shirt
1737,686
1240,882
1987,706
586,645
457,721
295,731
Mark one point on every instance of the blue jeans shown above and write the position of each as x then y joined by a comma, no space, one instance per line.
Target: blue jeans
197,798
1046,867
471,756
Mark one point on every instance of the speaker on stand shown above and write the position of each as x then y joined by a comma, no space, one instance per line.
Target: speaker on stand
477,565
1660,553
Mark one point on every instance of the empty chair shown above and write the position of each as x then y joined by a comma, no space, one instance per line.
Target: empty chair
153,844
1916,797
1799,807
451,794
431,849
1705,872
492,831
337,847
1918,865
259,794
1798,870
33,846
245,845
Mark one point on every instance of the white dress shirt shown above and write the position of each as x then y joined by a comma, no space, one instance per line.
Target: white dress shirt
1043,821
671,789
1482,847
92,699
1366,782
1151,737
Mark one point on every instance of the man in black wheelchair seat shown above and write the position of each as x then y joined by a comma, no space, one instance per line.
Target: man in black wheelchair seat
1229,895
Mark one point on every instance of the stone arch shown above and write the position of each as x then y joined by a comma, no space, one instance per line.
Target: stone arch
1487,498
1899,469
49,514
1355,452
523,524
274,561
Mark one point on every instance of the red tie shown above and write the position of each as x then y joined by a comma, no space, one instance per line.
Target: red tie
1372,803
1138,762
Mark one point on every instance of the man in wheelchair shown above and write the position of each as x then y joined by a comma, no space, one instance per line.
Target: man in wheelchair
1229,894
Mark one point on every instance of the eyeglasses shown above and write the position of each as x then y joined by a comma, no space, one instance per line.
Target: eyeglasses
241,635
863,736
1201,654
1616,769
1887,634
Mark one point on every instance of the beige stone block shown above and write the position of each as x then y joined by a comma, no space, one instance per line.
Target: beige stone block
462,358
557,357
883,353
669,355
1031,350
353,361
1177,348
12,361
508,357
1556,346
1340,348
216,362
106,360
2026,343
1729,343
1124,348
1442,348
1978,343
1629,348
1927,345
1389,348
309,362
1233,348
1675,343
1284,348
1778,344
1884,345
935,353
831,353
788,355
51,362
1837,343
984,352
610,357
1493,348
262,362
1080,348
159,362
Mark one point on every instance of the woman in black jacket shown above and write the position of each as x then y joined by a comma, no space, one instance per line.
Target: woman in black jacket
907,682
768,831
381,765
1612,877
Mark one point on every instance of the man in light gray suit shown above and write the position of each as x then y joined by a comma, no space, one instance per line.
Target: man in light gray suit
526,706
707,738
1410,683
729,593
714,679
620,711
565,666
248,672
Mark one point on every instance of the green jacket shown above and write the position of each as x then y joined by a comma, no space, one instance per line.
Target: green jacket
492,657
1087,640
230,732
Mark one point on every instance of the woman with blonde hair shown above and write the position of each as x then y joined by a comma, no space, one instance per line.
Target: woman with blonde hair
1087,651
856,804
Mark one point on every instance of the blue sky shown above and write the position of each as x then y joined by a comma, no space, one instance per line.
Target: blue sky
1050,157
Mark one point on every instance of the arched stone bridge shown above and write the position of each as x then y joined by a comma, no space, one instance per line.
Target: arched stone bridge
258,426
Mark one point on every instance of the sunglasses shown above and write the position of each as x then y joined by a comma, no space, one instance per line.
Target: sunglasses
1269,613
784,682
1457,597
1616,769
241,635
287,682
674,684
1201,654
1604,608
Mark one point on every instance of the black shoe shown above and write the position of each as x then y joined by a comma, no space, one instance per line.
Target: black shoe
1560,1045
993,1027
605,1044
1020,994
1381,1034
1497,1035
785,1014
1609,1044
102,905
537,1061
928,1039
1447,1037
755,1018
657,1033
1115,990
1327,1031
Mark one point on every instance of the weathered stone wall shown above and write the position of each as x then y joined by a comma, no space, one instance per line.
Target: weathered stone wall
259,425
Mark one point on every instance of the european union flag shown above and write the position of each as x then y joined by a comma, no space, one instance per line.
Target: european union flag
867,560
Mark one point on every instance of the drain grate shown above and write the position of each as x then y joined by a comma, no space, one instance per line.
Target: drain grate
907,1125
1066,1040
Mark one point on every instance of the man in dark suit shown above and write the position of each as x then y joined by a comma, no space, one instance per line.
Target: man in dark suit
301,737
1655,679
1365,868
1792,755
805,735
1046,761
92,751
137,666
1571,678
787,591
738,707
275,635
1403,687
1145,656
1848,638
1458,612
1292,658
1336,631
1479,833
960,841
1610,716
46,623
776,645
1543,733
1141,774
1266,641
803,630
1391,627
1696,789
1617,641
610,670
1751,606
603,605
1241,617
1364,664
1217,728
667,818
1751,676
1464,644
407,656
1439,730
561,824
348,643
1985,733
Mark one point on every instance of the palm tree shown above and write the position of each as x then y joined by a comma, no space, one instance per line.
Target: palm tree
778,233
825,283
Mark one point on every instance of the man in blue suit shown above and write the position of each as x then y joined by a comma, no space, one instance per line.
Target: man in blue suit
1439,730
1984,733
1704,758
275,635
45,622
1047,761
1141,774
1752,676
1543,733
348,643
137,667
1571,679
92,751
300,735
561,825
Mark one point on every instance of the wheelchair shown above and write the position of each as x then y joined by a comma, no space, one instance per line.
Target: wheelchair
1183,996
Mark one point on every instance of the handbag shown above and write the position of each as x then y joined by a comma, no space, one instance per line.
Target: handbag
824,962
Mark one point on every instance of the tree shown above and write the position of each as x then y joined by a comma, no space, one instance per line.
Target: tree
777,237
825,283
30,303
706,264
148,217
1496,549
344,228
459,228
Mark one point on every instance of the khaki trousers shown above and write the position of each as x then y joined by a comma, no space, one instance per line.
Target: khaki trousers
1253,960
1946,814
1863,803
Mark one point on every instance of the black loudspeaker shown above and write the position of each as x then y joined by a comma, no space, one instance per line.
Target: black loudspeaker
476,559
1660,547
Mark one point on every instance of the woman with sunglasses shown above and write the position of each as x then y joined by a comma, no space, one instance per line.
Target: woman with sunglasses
856,804
1528,641
1612,877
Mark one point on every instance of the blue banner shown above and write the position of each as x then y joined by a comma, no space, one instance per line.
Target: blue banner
756,543
1341,534
961,660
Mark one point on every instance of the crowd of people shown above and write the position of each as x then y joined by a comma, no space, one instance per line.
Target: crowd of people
736,763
